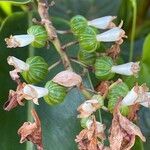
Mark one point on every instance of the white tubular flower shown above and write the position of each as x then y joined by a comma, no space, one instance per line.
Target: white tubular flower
138,94
103,22
32,92
113,35
128,69
19,66
87,108
19,40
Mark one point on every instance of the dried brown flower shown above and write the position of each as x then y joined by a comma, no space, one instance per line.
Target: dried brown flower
15,98
88,107
89,138
123,132
32,131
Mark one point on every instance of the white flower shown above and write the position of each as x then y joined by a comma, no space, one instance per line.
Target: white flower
19,40
32,92
103,22
138,94
19,66
128,69
87,108
113,35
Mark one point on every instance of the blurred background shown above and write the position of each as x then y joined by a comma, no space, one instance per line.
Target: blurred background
59,123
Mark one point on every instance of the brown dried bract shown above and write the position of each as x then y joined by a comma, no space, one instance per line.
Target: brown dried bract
88,139
67,78
133,112
103,87
114,51
15,98
32,131
123,132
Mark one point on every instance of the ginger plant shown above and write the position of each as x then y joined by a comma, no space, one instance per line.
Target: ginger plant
122,101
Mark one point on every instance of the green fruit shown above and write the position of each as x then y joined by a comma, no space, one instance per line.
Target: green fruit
88,41
87,58
56,93
103,67
78,24
117,91
40,35
38,70
99,98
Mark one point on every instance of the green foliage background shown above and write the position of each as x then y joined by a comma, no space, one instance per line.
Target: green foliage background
59,123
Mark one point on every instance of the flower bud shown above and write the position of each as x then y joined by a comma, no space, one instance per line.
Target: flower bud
32,92
87,58
78,24
103,67
67,79
103,22
87,40
118,90
113,35
56,93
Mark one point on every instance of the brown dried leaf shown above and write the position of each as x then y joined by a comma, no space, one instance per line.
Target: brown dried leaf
67,78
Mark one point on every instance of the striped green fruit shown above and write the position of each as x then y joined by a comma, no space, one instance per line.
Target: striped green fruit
78,24
56,93
38,70
87,40
86,58
117,91
40,35
103,67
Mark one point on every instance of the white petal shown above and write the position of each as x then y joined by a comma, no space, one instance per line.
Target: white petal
19,40
103,22
125,69
34,92
89,123
17,63
87,107
111,35
100,127
130,98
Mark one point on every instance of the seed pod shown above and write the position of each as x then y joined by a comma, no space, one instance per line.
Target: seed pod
86,58
38,70
88,41
40,35
78,24
117,91
56,93
103,67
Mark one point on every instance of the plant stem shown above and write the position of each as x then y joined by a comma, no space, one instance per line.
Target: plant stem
53,65
134,5
30,105
64,47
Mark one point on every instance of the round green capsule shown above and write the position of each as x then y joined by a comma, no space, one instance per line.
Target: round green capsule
88,41
78,24
40,35
86,58
117,91
103,67
56,93
38,70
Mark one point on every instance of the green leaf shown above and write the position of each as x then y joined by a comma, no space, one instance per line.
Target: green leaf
17,1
